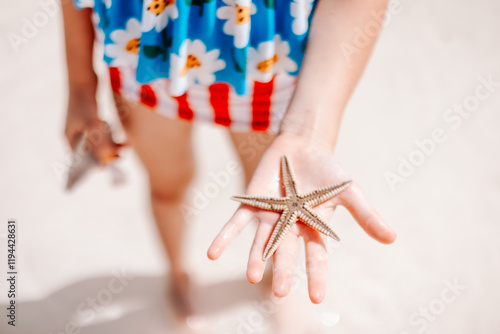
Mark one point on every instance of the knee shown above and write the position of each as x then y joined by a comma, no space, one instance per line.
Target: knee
171,188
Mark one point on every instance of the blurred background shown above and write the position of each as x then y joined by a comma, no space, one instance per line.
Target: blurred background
420,135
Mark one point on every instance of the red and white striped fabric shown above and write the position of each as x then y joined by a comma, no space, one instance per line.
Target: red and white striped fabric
261,110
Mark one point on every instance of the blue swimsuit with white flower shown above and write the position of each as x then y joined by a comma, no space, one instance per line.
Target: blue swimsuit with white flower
203,41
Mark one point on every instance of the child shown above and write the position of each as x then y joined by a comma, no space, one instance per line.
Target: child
234,63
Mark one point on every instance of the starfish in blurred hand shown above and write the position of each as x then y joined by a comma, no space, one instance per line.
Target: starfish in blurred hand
293,207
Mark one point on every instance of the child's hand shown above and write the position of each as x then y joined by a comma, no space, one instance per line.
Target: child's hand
82,118
314,168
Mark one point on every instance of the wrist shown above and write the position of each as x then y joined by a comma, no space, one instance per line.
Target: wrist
82,104
312,126
83,84
82,91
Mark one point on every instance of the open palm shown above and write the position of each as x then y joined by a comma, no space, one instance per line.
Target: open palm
314,168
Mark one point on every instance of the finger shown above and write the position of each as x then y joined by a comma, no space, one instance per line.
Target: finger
256,264
233,227
116,147
316,265
374,225
122,145
284,263
106,152
108,158
73,136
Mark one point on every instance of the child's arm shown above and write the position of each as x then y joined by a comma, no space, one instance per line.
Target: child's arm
307,136
82,112
79,39
341,39
82,80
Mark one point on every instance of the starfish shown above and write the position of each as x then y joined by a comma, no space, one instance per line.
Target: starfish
293,207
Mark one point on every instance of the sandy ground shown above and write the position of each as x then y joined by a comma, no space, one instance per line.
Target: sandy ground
441,276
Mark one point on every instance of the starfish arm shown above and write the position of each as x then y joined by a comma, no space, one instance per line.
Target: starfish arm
291,187
312,220
265,203
321,195
287,219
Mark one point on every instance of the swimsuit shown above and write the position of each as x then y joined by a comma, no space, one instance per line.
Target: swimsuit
230,62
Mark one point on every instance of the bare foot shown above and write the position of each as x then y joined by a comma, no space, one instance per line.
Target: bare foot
180,291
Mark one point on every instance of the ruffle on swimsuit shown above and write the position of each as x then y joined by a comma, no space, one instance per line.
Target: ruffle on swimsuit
247,49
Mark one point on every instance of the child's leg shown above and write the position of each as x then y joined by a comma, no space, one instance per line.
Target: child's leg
164,147
250,146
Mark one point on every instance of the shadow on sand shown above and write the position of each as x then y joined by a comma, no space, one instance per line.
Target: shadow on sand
121,305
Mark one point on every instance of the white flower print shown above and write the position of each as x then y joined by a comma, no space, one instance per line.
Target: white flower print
91,3
155,13
125,50
84,3
193,65
99,34
237,13
270,58
300,10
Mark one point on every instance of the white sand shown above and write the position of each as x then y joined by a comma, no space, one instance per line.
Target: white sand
446,213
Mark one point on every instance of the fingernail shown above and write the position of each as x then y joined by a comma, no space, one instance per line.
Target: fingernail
281,290
316,297
253,277
213,253
108,158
